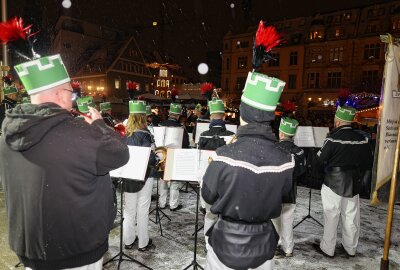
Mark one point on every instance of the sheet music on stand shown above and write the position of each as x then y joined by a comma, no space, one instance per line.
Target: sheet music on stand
170,137
137,164
201,127
187,164
307,136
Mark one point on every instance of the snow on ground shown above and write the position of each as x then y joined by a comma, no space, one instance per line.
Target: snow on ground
174,250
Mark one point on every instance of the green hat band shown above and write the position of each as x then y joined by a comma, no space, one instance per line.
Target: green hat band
346,114
26,100
137,106
175,108
9,90
42,74
84,103
105,106
288,126
216,106
262,92
198,107
148,110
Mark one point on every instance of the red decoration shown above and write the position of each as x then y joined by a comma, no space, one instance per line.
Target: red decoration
140,97
120,129
132,85
8,79
13,30
268,36
174,92
289,106
206,88
344,93
76,85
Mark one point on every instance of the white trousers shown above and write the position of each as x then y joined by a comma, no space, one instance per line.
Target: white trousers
284,227
209,220
173,194
94,266
136,210
213,263
348,209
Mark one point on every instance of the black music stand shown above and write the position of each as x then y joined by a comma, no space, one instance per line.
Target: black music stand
194,263
309,176
158,210
121,256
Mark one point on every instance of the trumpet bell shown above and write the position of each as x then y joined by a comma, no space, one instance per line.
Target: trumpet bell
161,153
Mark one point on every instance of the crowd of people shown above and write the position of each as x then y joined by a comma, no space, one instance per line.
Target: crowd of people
60,199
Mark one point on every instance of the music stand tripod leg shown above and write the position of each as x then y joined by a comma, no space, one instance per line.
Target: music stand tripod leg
309,213
119,256
194,263
157,209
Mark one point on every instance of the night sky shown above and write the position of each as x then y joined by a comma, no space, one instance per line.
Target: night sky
191,28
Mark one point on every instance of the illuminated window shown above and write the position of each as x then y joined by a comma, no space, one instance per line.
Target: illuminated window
396,24
338,32
117,83
242,62
336,54
372,51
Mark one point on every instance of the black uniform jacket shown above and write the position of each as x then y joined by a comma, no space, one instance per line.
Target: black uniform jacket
244,184
345,156
213,138
145,139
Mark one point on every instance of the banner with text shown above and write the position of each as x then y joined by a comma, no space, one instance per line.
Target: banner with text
389,113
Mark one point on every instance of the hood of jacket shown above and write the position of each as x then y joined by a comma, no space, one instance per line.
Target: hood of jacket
26,124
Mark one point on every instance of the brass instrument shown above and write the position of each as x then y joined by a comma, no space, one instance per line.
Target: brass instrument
234,139
161,152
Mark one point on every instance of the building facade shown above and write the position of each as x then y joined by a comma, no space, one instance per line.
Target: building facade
322,54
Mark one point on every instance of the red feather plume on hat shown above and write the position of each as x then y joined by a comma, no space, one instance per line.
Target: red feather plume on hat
8,79
206,87
76,85
344,94
132,85
267,37
289,106
13,30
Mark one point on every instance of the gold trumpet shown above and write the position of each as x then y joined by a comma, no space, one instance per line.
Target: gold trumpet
161,152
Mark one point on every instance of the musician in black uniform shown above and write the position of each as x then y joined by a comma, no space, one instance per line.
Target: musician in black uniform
344,157
173,121
284,223
202,116
212,139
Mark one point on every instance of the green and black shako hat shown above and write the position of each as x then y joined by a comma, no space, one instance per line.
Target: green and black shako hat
288,126
261,93
38,73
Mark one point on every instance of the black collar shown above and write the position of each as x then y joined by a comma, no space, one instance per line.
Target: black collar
256,130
